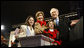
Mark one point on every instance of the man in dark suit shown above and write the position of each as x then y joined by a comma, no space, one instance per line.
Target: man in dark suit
62,24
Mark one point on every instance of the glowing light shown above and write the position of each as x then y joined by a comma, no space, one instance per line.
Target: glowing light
2,27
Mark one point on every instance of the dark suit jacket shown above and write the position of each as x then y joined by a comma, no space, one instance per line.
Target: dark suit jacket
63,28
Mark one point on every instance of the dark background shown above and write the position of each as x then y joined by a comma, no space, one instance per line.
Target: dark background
16,12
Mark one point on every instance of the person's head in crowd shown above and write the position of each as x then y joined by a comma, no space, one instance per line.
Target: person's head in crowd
2,38
40,15
29,21
54,12
51,25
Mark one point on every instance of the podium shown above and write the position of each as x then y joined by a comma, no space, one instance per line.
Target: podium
35,41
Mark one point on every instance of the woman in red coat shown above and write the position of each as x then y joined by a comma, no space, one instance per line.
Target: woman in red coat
52,33
40,24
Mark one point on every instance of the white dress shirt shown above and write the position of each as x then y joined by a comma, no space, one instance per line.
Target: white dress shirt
57,19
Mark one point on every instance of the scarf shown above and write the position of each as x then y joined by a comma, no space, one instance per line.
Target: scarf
42,22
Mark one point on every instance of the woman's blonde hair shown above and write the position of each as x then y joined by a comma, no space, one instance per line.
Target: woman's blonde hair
39,12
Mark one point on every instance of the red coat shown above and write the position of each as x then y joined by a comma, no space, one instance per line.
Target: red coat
53,35
42,22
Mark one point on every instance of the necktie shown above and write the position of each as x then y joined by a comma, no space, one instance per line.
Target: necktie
57,22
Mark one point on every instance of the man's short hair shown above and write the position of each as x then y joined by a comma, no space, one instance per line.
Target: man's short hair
53,9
